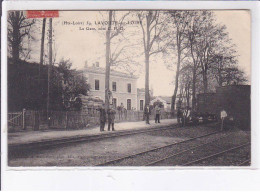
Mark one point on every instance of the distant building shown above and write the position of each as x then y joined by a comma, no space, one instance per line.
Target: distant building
165,100
122,86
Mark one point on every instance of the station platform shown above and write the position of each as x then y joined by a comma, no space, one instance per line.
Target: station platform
24,137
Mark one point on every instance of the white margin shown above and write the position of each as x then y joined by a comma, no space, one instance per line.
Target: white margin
121,178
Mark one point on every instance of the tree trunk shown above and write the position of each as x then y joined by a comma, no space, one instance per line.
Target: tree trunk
176,82
147,65
194,88
16,42
147,93
107,78
205,83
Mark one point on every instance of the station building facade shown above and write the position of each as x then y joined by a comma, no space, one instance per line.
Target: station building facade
122,85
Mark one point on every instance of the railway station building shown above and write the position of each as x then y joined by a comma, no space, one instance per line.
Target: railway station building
122,85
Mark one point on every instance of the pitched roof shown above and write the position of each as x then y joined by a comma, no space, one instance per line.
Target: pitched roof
167,99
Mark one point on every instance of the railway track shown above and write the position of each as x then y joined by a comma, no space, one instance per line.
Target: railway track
218,154
245,163
200,153
147,154
16,149
175,150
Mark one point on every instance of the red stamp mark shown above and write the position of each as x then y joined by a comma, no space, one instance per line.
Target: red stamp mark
42,14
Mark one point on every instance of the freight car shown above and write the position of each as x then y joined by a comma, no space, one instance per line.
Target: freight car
234,99
207,106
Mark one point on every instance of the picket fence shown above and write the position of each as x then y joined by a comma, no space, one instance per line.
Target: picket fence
37,120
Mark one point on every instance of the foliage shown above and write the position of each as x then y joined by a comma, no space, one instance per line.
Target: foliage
159,103
19,28
205,56
73,84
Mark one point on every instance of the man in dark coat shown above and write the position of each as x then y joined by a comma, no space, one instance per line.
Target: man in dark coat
147,113
179,116
157,114
111,118
102,117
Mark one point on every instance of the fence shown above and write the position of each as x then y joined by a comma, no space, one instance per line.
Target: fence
37,120
16,120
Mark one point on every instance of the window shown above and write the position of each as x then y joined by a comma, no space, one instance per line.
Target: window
114,86
128,104
114,102
96,84
141,104
129,88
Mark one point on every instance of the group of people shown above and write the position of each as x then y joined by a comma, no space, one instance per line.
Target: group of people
183,115
147,113
109,116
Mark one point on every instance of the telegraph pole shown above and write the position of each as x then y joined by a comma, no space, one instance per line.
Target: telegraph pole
41,59
42,40
108,61
49,69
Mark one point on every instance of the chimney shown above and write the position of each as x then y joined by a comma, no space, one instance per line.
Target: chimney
86,64
97,64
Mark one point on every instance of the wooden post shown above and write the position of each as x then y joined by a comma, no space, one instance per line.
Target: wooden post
66,119
222,121
36,120
24,120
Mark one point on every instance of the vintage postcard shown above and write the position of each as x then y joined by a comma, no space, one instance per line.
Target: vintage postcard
139,88
127,95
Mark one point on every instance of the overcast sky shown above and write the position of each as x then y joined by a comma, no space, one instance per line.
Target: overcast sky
88,45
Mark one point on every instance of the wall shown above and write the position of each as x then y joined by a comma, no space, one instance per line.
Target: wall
121,93
140,96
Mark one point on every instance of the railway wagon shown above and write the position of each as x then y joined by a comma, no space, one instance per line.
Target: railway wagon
235,100
207,105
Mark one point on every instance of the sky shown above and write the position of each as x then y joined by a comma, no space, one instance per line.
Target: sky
78,45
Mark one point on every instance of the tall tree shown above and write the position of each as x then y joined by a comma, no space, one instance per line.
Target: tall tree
179,20
192,33
112,57
152,26
185,83
19,28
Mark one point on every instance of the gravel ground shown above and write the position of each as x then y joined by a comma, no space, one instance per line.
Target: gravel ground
93,153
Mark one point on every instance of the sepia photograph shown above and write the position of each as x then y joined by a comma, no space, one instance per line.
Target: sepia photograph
129,88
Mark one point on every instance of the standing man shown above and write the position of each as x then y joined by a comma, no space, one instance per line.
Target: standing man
111,118
179,116
102,117
157,114
121,107
147,113
223,115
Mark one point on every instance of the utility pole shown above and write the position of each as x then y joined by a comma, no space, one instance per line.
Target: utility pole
41,59
42,41
108,62
49,69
